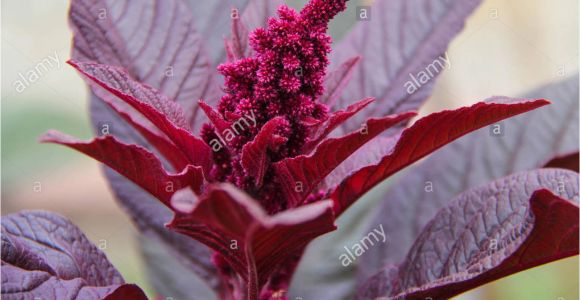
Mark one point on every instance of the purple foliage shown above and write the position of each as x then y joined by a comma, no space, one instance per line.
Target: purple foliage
234,169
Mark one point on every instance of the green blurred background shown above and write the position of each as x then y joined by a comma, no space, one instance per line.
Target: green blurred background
532,42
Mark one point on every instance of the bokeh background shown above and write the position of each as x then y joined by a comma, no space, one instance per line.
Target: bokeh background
530,43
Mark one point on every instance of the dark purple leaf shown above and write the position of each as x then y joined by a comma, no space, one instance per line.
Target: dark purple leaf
156,41
486,233
337,80
527,142
44,256
213,18
401,37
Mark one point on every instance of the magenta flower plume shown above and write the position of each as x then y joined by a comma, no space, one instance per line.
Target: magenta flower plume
265,177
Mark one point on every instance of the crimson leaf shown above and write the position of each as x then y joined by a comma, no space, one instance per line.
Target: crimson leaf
423,137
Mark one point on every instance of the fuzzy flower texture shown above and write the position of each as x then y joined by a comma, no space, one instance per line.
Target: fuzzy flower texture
265,178
279,84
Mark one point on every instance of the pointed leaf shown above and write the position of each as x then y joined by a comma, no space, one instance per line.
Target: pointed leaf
156,41
425,136
308,171
133,162
525,142
487,233
161,112
214,117
237,46
212,19
46,256
255,153
401,38
321,130
337,80
152,134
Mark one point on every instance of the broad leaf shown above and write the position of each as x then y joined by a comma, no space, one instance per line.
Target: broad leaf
486,233
212,19
401,38
157,42
44,256
524,142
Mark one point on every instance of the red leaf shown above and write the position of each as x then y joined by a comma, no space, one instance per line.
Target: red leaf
263,241
160,111
400,40
149,132
486,233
133,162
45,256
254,154
127,291
425,136
308,171
569,161
320,130
214,117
